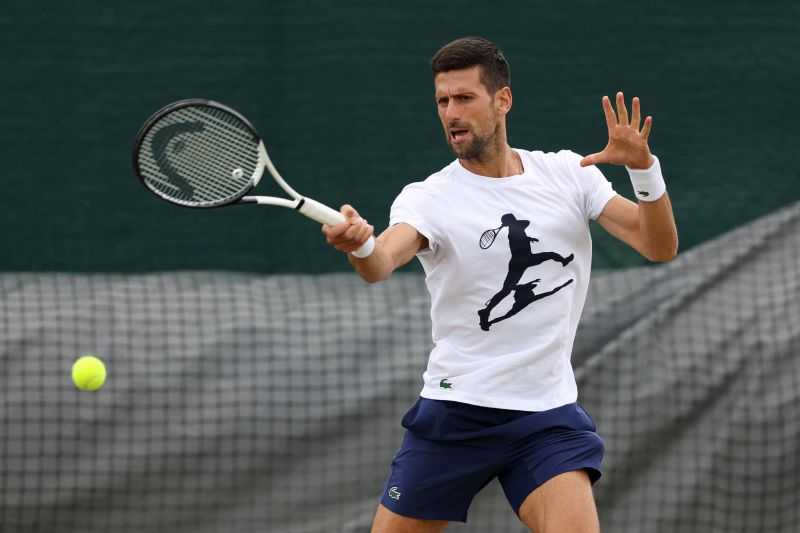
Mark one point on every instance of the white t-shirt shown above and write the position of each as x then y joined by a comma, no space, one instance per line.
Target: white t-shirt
517,356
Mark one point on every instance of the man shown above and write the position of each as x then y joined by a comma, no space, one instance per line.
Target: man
502,401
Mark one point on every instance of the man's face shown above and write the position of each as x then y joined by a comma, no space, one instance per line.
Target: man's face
467,111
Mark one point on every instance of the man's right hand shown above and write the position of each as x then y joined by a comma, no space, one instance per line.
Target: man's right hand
349,235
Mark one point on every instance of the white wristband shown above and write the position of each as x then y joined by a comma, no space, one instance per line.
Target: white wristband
648,183
366,249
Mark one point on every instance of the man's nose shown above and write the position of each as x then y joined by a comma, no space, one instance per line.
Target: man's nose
451,113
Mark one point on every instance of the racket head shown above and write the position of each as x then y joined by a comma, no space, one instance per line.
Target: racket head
198,153
488,237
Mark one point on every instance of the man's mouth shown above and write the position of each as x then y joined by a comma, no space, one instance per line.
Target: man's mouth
458,134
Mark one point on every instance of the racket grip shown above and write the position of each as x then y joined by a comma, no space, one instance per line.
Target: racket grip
325,215
320,212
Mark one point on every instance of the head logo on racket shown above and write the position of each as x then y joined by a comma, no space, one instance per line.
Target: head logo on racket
159,146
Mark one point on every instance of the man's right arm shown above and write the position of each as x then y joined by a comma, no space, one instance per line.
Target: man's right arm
395,247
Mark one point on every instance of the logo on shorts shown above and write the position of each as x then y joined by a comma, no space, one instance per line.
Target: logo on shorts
444,384
394,493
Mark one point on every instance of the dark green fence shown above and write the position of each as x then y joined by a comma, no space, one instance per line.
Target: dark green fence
343,95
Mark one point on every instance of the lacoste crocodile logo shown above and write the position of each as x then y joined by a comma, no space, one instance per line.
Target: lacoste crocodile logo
444,384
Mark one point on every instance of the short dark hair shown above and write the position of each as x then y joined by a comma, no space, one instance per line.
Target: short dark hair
469,52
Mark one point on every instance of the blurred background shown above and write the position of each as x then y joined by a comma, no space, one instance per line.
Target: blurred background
255,384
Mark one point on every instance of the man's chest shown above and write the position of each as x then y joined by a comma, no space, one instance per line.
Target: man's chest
489,224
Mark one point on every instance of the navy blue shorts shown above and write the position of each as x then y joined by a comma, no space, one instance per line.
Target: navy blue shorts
452,450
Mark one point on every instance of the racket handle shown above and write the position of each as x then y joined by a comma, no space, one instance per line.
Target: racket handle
325,215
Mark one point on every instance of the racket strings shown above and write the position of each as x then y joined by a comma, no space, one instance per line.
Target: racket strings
209,178
488,237
226,136
212,172
223,123
195,164
208,160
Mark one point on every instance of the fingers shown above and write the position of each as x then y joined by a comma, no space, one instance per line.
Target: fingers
637,113
648,125
620,117
593,159
611,117
348,211
350,234
622,111
361,235
626,144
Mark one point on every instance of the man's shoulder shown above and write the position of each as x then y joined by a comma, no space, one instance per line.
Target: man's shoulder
443,175
433,184
559,157
561,167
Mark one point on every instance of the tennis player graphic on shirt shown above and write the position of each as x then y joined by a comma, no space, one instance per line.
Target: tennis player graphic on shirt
521,259
504,405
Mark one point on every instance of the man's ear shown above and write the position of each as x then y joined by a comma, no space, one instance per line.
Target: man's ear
503,100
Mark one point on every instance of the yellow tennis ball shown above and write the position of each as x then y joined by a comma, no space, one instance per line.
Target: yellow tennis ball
88,373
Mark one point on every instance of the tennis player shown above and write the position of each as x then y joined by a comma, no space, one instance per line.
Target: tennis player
499,398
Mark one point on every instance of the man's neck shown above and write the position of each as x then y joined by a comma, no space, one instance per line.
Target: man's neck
501,164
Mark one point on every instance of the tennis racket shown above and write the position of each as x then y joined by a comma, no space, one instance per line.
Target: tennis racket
200,153
488,237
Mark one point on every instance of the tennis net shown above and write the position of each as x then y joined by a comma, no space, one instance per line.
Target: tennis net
244,403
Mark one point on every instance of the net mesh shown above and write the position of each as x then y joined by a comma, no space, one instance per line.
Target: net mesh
244,403
198,155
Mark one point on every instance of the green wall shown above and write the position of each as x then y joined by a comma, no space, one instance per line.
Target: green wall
342,93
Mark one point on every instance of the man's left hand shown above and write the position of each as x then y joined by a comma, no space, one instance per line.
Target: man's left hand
627,144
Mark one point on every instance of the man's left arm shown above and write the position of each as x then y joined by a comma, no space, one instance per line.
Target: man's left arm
649,225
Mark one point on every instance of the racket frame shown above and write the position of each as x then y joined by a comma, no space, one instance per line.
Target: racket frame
306,206
494,232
